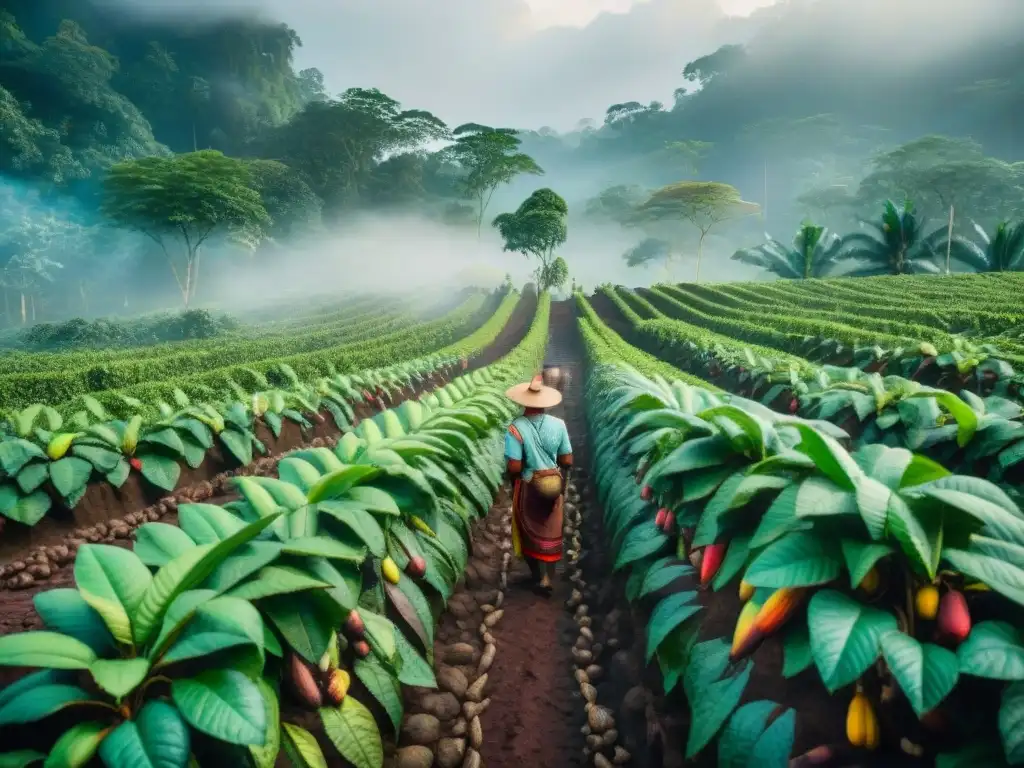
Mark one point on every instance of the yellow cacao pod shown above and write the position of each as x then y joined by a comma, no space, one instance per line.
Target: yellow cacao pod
337,686
746,591
861,723
871,581
390,570
422,527
927,602
60,444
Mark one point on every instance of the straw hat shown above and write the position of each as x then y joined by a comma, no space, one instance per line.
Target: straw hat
534,394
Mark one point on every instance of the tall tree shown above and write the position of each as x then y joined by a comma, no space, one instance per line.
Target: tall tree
180,202
536,228
337,144
705,69
28,265
489,158
702,204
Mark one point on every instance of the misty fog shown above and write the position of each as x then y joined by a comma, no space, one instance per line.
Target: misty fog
821,89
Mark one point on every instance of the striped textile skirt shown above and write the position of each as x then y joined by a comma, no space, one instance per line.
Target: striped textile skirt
536,522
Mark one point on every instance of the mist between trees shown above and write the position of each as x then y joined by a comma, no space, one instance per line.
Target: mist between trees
157,164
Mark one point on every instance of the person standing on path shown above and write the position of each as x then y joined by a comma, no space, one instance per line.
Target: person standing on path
538,456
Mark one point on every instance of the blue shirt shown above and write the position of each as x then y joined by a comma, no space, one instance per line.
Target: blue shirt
553,442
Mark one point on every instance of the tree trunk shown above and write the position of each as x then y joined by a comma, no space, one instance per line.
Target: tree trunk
7,307
700,253
24,316
85,300
32,304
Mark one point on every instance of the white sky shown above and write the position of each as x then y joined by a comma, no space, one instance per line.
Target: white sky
577,13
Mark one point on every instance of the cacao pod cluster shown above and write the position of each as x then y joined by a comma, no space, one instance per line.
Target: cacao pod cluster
950,612
355,631
665,520
315,687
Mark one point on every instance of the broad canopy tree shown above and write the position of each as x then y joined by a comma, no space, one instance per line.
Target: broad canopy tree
701,204
535,229
489,157
337,144
180,202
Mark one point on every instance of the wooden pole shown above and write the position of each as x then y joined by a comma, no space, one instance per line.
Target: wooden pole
949,239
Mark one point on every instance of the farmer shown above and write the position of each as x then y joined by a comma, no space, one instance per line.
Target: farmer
539,456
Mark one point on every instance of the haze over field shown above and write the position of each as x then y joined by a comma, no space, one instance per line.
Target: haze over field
792,113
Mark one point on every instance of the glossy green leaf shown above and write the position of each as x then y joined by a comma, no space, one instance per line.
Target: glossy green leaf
302,747
64,610
224,704
119,677
668,614
265,755
354,733
799,559
46,650
845,636
41,701
993,649
383,686
114,582
926,673
77,746
157,738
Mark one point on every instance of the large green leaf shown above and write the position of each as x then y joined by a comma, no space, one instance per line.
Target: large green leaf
77,746
383,686
27,510
185,572
642,540
749,741
41,701
994,649
23,758
796,650
119,677
276,580
354,733
324,546
800,559
919,533
224,704
356,518
861,556
832,459
218,624
414,669
208,523
662,574
926,673
65,611
162,471
46,650
1011,723
156,544
114,582
265,755
157,738
712,707
302,747
70,474
306,623
845,636
668,614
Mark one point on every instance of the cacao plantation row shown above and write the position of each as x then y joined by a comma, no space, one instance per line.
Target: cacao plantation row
48,461
305,603
891,581
972,425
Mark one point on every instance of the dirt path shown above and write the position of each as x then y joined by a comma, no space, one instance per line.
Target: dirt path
536,710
